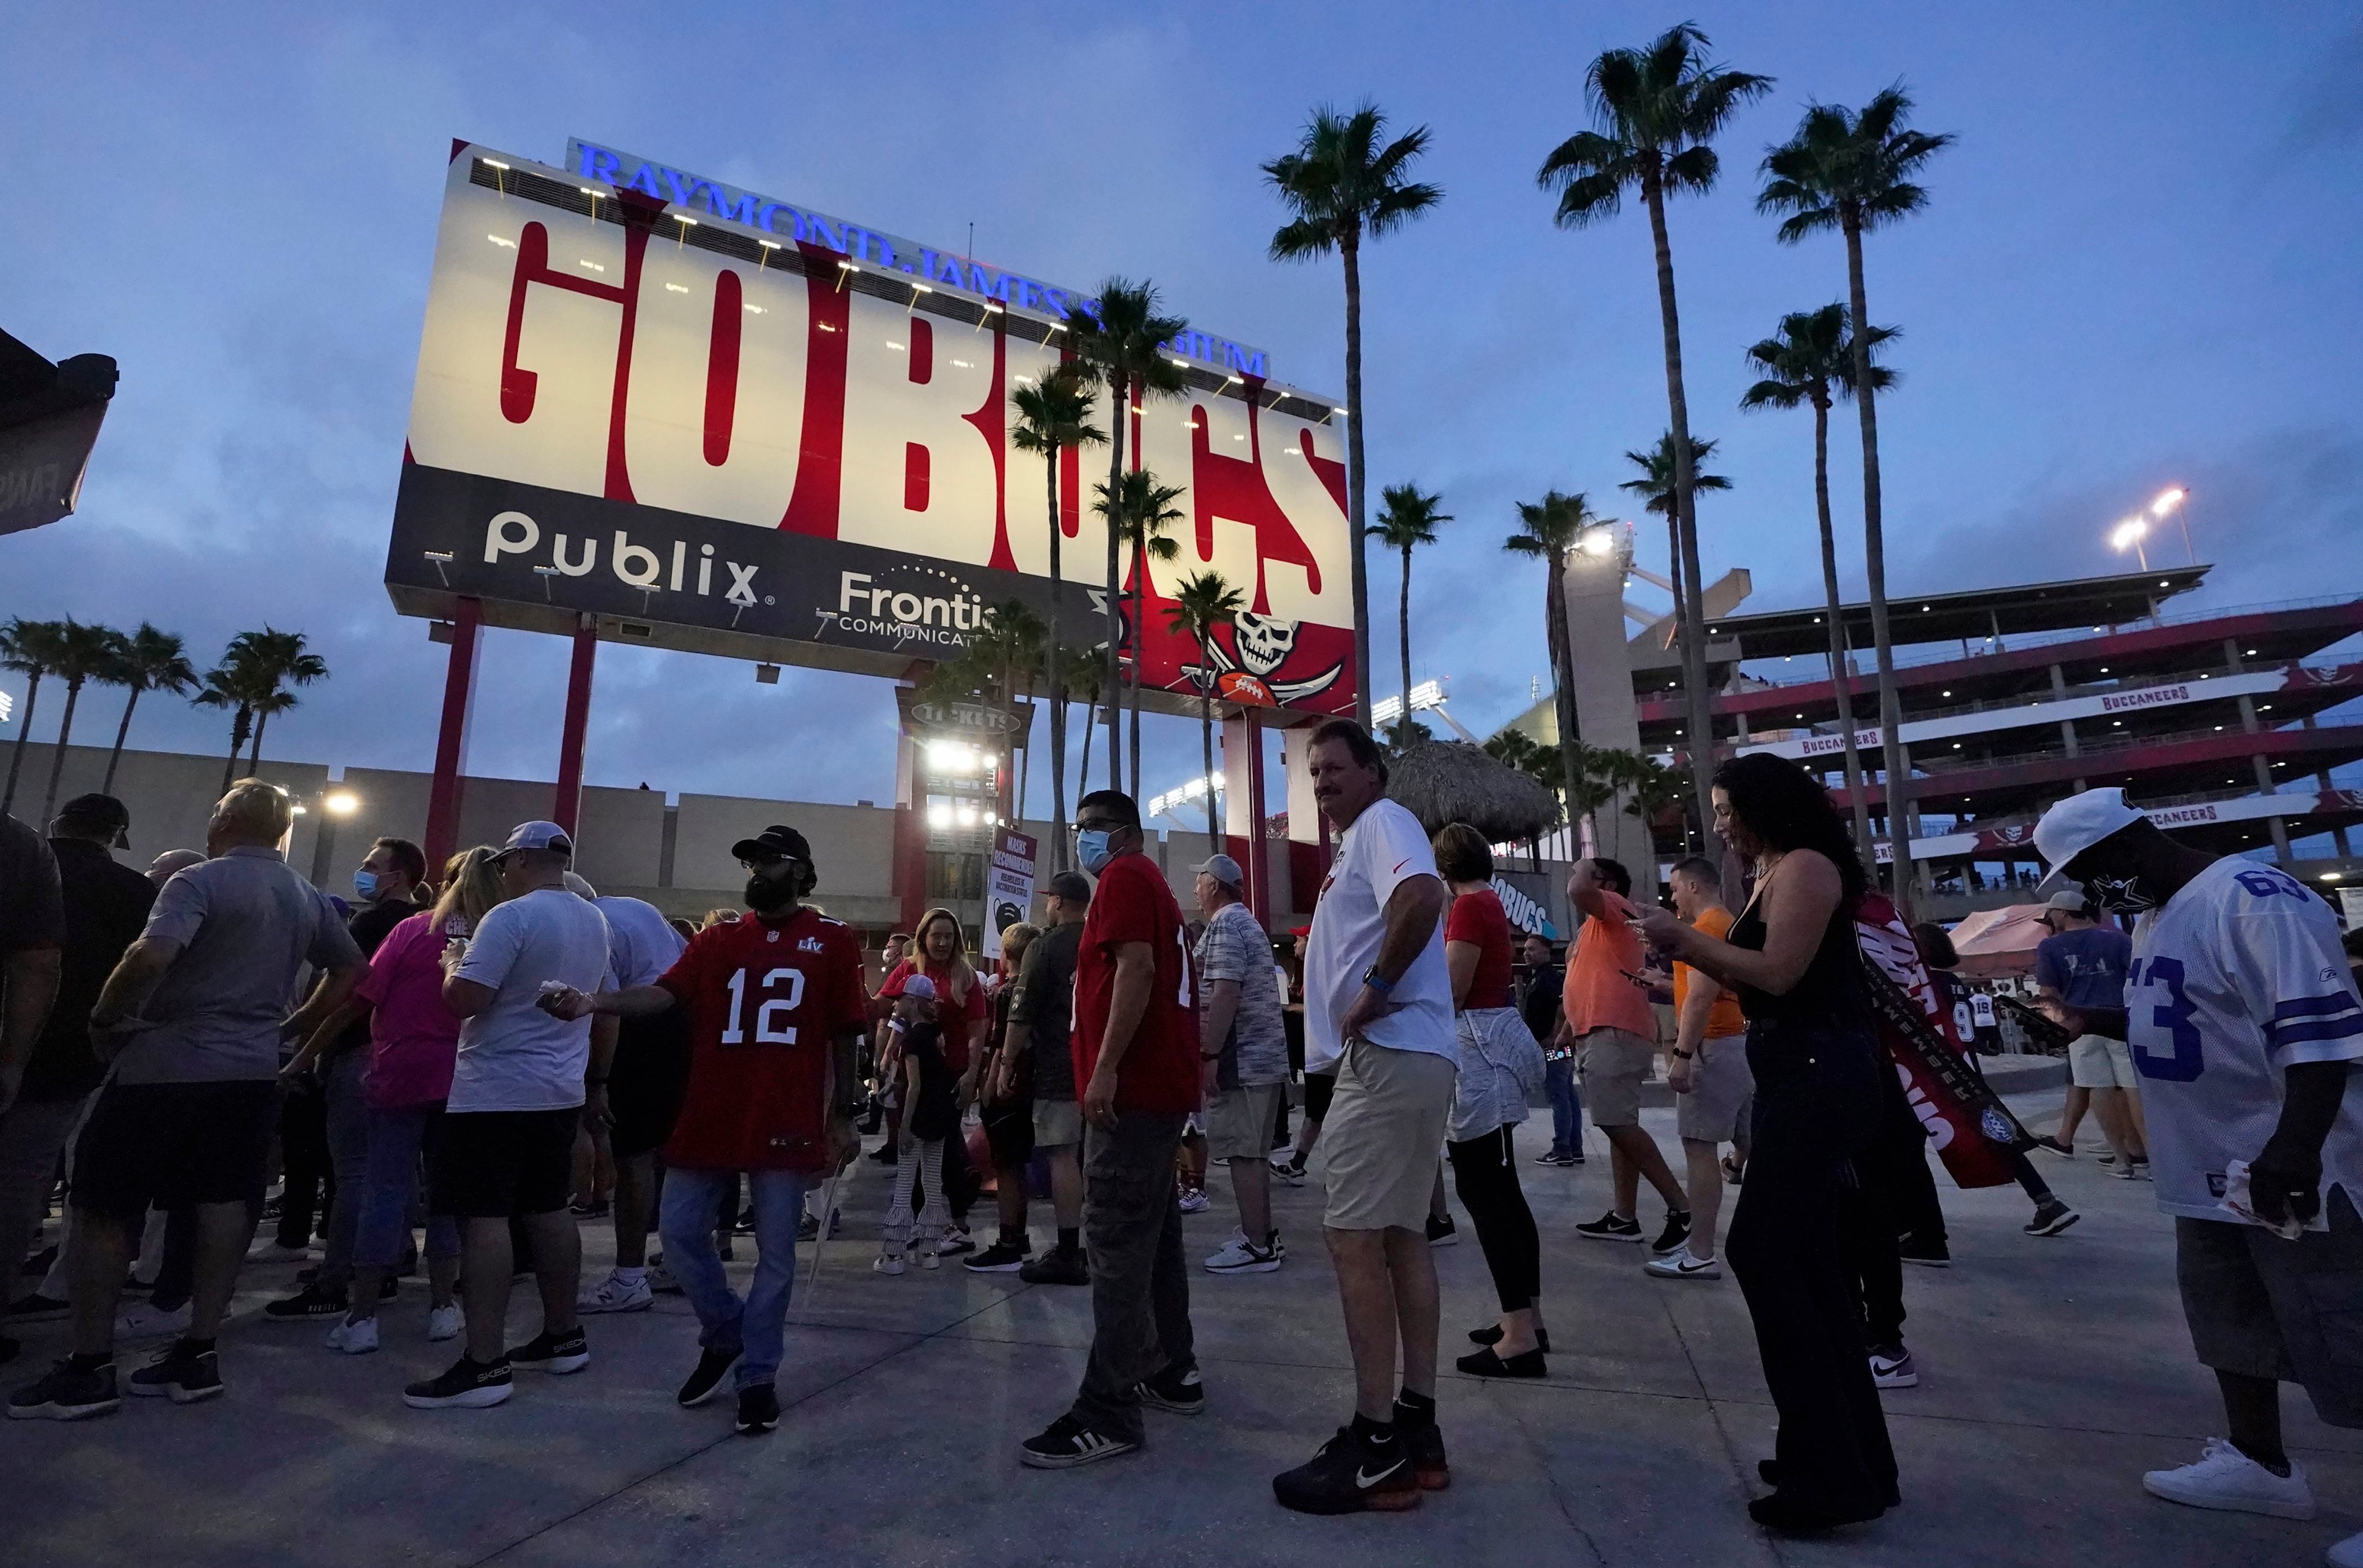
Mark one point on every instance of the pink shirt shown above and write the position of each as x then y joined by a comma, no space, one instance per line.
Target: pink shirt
413,1037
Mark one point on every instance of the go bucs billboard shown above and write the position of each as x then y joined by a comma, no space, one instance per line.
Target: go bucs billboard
721,422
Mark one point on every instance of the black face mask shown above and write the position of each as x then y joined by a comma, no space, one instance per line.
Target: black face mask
765,894
2123,894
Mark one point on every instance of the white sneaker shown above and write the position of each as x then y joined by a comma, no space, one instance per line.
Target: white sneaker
886,1264
1679,1264
2226,1478
1893,1371
1241,1256
353,1338
273,1253
615,1294
1195,1201
142,1322
2347,1554
444,1322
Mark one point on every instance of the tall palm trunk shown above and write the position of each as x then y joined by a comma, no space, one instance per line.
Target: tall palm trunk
122,731
1570,747
58,758
254,758
1841,685
1674,574
1112,680
1402,631
1140,639
24,733
1701,728
1897,795
1084,773
238,727
1058,663
1349,249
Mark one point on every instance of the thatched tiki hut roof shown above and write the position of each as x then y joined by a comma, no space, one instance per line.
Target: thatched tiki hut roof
1451,781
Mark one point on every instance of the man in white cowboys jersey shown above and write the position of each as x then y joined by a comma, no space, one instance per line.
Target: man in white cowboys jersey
2245,1025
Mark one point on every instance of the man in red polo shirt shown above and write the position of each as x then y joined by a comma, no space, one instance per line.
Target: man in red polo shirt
777,1011
1135,1051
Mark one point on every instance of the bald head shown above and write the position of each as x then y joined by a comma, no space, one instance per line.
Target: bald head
252,814
171,863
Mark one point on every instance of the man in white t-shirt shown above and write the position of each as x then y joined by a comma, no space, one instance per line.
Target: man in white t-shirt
2245,1025
646,1082
524,1080
1378,1012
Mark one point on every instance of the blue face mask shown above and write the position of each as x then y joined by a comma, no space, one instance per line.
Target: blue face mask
1092,850
365,884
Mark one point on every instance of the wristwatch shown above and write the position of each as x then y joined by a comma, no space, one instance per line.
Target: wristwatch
1684,1055
1371,978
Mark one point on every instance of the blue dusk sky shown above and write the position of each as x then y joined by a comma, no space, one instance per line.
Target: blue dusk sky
2138,268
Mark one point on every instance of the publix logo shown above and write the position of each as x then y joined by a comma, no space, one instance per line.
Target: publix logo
635,565
919,604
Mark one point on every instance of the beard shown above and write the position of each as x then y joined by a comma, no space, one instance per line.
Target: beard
765,894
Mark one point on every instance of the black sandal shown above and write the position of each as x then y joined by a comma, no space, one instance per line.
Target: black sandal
1487,1362
1490,1334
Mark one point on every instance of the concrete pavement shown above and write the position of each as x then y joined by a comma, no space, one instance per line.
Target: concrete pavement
2054,1373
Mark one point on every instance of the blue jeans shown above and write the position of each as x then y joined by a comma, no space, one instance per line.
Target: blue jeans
756,1327
348,1128
389,1187
1567,1105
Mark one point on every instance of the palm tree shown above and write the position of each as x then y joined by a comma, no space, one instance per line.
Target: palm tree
30,647
1654,110
1201,604
151,662
1657,486
1143,509
1085,682
1053,415
1654,788
273,660
84,653
1853,172
230,686
1407,519
1548,529
1342,184
1809,360
1125,342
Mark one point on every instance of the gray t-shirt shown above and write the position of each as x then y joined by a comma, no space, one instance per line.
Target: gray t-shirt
513,1056
641,943
246,926
1235,947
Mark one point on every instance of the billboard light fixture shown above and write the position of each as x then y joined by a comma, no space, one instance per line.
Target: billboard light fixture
768,244
506,244
683,217
495,163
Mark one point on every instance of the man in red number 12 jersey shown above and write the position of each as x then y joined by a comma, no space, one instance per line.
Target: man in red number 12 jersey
777,1012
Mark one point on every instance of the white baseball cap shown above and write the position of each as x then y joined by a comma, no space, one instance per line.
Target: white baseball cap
917,986
2074,825
539,836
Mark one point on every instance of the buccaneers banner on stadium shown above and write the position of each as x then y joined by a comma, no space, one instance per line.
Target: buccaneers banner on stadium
1971,1128
626,408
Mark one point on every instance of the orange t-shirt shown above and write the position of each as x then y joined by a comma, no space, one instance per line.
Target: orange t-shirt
1604,987
1724,1018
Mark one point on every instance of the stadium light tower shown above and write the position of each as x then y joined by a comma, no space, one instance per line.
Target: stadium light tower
2170,504
2130,534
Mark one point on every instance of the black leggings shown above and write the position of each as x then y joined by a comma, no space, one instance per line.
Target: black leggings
1485,1170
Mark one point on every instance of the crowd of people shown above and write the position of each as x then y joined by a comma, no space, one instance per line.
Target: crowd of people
453,1067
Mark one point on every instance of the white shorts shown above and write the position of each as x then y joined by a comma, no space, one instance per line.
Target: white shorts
2096,1062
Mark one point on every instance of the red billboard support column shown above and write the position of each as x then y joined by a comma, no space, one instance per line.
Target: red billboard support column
568,806
451,740
1244,806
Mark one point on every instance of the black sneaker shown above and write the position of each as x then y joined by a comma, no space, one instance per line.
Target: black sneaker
596,1209
468,1385
38,1308
703,1382
1182,1393
552,1353
39,1263
303,1307
1348,1475
1423,1440
808,1227
1001,1258
1068,1442
1937,1256
1056,1266
885,1156
1442,1232
2051,1216
1675,1236
180,1375
745,1224
1611,1227
759,1410
2051,1145
65,1393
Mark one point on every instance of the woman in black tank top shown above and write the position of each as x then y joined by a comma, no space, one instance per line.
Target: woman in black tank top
1793,958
